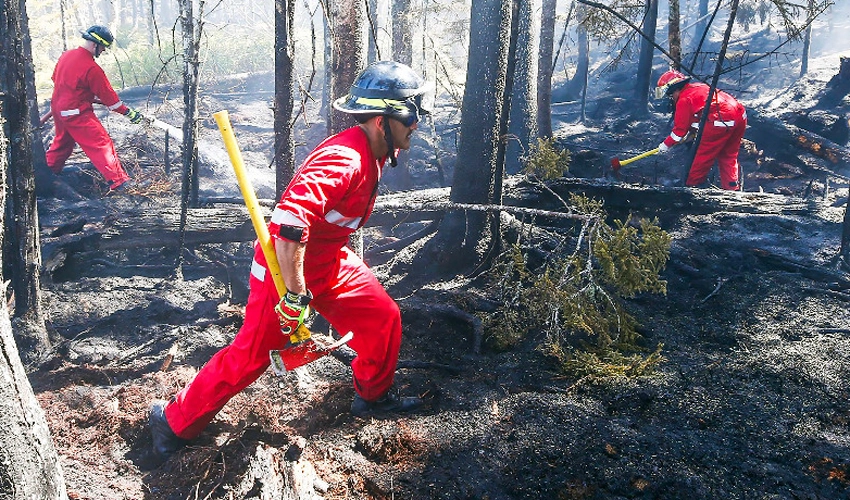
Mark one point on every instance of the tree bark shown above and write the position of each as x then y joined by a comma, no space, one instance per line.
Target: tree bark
29,464
399,178
522,128
674,35
191,40
644,70
22,246
544,70
284,42
459,236
347,55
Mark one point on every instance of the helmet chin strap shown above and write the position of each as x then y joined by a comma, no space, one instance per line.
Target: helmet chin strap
388,135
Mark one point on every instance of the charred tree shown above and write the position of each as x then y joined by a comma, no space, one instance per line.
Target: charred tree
348,55
191,37
522,125
21,246
399,178
29,464
701,26
674,35
544,71
807,42
733,12
460,235
372,49
577,85
644,70
284,42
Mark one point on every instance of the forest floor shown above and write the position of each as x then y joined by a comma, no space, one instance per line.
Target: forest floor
751,400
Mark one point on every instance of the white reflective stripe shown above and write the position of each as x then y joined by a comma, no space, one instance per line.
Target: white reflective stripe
284,218
675,137
718,123
337,218
69,112
258,271
115,106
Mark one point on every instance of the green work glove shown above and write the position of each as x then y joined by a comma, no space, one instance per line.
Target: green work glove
134,115
291,311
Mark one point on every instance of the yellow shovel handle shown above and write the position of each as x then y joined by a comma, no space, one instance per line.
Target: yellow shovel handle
257,219
639,157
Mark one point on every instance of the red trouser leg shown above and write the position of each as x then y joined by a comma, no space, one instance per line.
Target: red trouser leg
354,301
727,159
61,147
710,145
233,368
89,133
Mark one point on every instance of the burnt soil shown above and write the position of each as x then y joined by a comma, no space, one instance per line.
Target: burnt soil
750,402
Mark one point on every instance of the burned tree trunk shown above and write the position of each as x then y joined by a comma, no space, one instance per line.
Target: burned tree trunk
345,20
284,42
647,49
474,179
399,178
544,71
191,40
674,35
522,131
29,465
22,246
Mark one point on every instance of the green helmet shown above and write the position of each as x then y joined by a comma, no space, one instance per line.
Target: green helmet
386,88
99,35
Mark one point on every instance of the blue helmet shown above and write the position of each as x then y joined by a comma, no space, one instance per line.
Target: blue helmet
386,88
99,35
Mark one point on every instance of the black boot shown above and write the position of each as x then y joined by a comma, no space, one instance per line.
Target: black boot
389,403
165,442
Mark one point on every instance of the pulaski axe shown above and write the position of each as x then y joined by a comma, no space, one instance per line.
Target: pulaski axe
616,163
301,349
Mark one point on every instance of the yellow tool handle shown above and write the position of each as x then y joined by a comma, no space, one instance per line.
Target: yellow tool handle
640,156
223,121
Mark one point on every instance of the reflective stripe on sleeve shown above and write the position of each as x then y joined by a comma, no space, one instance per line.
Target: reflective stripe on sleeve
284,218
115,106
337,218
258,271
675,137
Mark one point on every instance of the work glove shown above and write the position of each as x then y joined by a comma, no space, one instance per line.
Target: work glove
134,115
291,312
663,148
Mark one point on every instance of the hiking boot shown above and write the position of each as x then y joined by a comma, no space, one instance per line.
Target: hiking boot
165,442
122,187
389,403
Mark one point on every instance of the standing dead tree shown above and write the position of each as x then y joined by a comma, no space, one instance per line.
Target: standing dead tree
21,249
284,62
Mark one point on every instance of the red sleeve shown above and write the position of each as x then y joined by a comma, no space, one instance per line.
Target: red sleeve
685,110
100,86
316,188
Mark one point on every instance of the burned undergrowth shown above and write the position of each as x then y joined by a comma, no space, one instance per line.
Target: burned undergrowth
749,401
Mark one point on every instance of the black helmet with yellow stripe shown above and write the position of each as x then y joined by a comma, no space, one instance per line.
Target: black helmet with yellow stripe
386,88
99,35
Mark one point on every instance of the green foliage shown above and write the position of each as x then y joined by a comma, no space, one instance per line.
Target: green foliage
576,301
546,162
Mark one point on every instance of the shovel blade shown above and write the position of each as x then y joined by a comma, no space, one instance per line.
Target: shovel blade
305,352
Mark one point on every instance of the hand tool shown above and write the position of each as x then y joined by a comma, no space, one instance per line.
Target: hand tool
616,164
302,349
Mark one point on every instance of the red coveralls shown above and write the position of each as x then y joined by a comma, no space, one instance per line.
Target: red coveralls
78,82
330,196
721,138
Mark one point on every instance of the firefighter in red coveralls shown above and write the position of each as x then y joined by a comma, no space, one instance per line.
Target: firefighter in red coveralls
329,198
78,82
724,129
